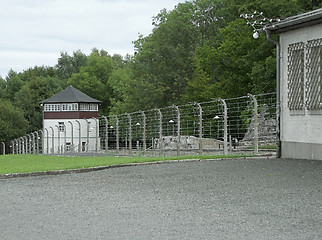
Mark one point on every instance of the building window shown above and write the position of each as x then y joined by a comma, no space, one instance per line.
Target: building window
88,107
93,107
61,126
69,107
313,74
68,147
52,108
84,107
296,76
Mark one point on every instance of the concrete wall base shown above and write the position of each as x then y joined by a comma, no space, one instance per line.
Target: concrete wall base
301,150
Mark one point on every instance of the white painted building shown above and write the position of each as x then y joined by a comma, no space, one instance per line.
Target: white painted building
301,85
70,123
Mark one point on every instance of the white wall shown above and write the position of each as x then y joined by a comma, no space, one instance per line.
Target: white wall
93,139
305,128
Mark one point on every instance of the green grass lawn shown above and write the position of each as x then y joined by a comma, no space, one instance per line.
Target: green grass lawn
40,163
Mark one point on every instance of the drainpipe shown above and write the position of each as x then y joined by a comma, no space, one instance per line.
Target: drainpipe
278,91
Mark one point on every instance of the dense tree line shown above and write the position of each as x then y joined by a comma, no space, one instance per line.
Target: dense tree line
200,50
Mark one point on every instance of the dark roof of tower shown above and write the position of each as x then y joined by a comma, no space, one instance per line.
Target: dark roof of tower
70,95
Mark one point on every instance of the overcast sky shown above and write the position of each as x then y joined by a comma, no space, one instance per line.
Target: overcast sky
34,32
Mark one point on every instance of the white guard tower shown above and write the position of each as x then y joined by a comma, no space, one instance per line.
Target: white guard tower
70,123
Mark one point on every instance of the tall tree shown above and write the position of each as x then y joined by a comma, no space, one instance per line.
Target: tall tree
12,122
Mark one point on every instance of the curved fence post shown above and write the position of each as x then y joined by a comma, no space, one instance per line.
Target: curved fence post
106,134
160,131
255,122
200,127
130,133
3,148
178,129
79,137
144,130
96,134
117,133
225,126
13,146
47,142
26,143
87,138
52,140
58,134
71,136
33,144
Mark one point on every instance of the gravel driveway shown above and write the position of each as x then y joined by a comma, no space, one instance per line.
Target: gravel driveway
227,199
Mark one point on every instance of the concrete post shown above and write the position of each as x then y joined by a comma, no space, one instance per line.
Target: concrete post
72,136
3,148
106,134
96,133
160,131
117,133
58,133
47,139
200,127
37,142
255,123
178,129
130,133
225,126
79,137
87,138
144,130
52,140
13,147
33,144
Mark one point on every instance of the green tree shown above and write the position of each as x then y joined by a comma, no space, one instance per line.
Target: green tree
93,79
12,122
67,65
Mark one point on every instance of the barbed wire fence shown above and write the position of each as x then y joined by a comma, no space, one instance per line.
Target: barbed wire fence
243,125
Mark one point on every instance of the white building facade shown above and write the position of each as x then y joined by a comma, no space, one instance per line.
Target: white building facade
70,123
301,85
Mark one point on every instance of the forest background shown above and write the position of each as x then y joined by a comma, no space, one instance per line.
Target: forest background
200,50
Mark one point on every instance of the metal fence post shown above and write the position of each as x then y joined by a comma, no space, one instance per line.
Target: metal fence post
130,133
225,126
255,123
47,140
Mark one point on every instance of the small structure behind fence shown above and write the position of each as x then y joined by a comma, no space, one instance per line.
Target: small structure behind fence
220,126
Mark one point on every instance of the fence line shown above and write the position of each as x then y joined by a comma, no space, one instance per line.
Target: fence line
221,126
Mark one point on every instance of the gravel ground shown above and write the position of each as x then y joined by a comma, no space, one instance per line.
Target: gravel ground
227,199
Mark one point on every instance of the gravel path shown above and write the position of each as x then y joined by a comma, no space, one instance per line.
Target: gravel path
227,199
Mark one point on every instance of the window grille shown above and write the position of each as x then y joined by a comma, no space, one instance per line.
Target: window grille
296,76
52,107
313,74
70,107
84,107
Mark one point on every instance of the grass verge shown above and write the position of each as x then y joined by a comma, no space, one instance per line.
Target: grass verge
40,163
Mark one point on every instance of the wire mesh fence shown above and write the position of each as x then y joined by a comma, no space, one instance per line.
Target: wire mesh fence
220,126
